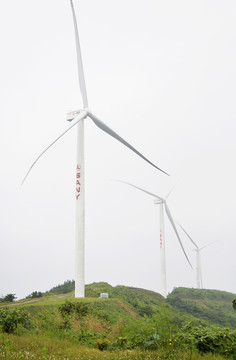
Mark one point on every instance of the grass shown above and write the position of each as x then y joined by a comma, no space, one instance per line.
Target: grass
43,348
124,325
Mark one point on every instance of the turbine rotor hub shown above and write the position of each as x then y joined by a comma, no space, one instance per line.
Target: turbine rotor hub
158,202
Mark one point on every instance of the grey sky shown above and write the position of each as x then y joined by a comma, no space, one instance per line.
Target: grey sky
162,74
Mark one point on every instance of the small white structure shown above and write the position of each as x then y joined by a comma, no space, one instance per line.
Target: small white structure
104,296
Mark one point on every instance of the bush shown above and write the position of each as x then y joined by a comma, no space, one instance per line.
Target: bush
81,309
70,308
66,309
103,344
122,341
210,340
11,318
35,294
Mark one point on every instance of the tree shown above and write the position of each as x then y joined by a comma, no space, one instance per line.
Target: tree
234,303
35,294
10,298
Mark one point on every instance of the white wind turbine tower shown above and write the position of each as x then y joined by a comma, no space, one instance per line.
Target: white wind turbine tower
163,205
198,258
78,118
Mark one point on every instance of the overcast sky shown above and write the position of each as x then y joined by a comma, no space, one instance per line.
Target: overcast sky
162,74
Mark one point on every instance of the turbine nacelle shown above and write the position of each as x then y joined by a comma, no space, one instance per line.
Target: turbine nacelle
72,114
158,201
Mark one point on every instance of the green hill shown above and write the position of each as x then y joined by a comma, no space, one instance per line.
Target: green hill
198,305
214,306
133,321
211,306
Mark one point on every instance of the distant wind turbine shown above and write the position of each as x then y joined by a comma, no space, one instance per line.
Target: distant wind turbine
163,205
78,117
198,258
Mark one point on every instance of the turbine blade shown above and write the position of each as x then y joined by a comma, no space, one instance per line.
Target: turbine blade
203,247
112,133
81,116
175,230
171,190
136,187
188,236
79,60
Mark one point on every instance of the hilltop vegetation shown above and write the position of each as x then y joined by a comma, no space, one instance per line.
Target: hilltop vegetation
213,306
199,305
133,322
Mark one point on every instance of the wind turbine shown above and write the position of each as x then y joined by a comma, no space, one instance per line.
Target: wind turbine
163,206
198,258
78,118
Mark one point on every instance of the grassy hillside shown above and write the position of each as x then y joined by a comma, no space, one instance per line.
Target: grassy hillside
200,305
132,323
214,306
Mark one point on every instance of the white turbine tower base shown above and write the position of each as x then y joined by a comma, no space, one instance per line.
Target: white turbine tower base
80,218
198,270
78,118
162,249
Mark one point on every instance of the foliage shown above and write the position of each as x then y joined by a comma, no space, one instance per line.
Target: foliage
210,339
40,347
66,287
210,305
11,318
66,309
133,323
8,298
69,308
103,344
35,294
234,303
121,341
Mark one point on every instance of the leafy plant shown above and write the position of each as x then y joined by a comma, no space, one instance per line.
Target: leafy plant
210,339
11,318
35,294
234,303
66,309
44,353
81,309
9,298
121,341
103,344
69,308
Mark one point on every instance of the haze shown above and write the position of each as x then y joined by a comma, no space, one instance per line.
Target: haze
160,73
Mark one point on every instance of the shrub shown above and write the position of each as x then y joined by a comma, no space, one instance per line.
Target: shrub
11,318
234,303
122,341
103,344
70,308
210,339
81,309
66,309
35,294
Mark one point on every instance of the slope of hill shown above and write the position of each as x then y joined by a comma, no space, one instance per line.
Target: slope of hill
214,306
131,319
